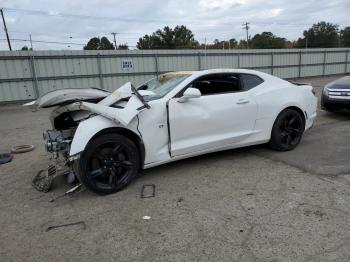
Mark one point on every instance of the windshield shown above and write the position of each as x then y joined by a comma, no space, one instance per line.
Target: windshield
161,85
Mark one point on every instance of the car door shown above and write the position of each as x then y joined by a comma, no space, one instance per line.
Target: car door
222,115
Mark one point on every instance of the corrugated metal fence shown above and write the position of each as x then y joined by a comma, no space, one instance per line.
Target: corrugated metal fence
26,74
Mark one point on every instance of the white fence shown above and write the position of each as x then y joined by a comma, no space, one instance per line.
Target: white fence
26,74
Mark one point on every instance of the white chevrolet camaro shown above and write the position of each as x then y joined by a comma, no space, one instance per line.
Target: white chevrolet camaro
106,138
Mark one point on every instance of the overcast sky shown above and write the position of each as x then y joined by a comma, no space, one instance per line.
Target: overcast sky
76,21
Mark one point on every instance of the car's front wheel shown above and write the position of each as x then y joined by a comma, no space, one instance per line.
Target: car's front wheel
287,130
108,163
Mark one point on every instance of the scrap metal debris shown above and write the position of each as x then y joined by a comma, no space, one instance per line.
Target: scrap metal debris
43,180
74,190
5,158
82,223
148,191
22,149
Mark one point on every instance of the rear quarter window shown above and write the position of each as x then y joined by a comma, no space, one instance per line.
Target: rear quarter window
250,81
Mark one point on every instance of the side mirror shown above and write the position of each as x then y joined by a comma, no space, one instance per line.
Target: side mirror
189,93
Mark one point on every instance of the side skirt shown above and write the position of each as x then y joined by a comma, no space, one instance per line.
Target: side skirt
198,153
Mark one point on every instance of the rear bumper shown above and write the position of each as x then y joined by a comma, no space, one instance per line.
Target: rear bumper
310,121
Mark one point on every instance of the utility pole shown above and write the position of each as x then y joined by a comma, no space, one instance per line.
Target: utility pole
31,43
5,28
246,27
115,41
205,51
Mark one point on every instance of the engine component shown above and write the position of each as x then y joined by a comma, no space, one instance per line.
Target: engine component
58,140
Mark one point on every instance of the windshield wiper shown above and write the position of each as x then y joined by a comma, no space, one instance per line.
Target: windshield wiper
140,97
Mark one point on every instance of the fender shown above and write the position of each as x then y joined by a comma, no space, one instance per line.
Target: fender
86,130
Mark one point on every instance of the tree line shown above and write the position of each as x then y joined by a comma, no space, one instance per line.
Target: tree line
319,35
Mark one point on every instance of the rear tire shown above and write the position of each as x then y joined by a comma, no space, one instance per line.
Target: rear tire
108,163
287,130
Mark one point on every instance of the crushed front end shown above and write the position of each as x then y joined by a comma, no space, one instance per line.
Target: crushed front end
57,143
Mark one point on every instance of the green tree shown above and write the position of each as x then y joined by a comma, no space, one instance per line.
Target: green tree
123,47
168,38
233,43
345,36
25,48
97,43
267,40
105,44
322,34
217,44
93,44
242,44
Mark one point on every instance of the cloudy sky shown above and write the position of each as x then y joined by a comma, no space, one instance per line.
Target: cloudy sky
73,22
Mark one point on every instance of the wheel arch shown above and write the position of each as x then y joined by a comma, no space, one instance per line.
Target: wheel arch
277,144
98,125
298,109
129,134
293,107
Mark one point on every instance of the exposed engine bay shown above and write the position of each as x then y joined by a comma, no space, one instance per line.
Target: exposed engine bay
58,141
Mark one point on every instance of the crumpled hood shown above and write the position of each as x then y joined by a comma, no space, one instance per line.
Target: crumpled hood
124,115
66,96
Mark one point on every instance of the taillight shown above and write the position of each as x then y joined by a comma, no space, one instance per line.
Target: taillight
313,91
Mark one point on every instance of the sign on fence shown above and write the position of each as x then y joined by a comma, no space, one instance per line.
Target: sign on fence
127,64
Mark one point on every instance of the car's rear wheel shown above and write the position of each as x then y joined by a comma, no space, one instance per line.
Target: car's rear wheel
287,130
108,163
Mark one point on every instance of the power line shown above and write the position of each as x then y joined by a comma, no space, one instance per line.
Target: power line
43,41
65,35
49,42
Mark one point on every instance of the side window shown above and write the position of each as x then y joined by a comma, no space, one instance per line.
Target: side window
250,81
218,84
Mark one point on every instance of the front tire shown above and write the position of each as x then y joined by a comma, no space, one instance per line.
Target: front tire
287,130
108,163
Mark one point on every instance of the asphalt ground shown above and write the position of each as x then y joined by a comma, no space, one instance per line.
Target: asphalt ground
249,204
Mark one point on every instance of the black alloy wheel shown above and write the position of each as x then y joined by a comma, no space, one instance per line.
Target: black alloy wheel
108,163
287,130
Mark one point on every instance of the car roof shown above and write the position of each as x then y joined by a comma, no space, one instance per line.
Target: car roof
213,71
195,74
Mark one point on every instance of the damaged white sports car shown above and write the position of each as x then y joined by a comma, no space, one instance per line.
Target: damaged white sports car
106,138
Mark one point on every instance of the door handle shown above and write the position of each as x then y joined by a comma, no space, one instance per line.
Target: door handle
242,101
